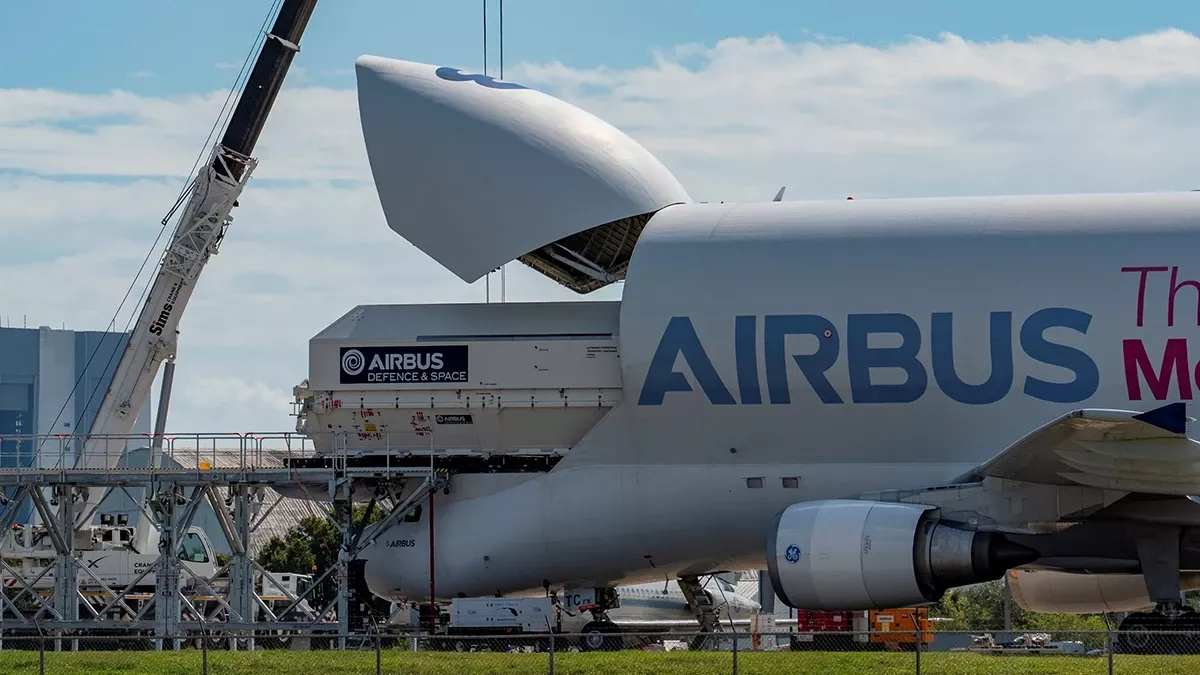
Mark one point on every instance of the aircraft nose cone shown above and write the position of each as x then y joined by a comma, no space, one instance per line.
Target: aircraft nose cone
377,579
392,566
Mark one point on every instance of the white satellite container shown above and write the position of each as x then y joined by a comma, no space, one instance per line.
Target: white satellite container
512,377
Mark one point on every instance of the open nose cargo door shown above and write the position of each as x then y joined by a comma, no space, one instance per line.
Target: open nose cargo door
477,172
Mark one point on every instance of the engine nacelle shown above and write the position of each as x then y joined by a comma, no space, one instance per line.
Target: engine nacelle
854,555
1081,593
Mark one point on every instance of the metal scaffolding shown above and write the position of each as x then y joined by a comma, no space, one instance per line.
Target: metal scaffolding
184,602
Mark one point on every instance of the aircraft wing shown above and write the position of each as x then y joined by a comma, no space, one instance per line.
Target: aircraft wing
1115,450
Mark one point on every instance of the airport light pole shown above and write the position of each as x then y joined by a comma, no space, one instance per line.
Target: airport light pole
1007,605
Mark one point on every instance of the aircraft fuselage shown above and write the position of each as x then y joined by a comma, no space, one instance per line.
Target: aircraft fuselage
782,352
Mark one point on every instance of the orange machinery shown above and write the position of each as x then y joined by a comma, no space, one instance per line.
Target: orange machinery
871,629
900,626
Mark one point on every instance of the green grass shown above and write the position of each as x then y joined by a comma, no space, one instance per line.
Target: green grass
633,663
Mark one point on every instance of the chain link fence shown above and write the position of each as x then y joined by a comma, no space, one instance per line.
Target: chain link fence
940,652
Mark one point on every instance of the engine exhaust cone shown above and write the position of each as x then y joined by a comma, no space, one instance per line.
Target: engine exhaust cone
1002,555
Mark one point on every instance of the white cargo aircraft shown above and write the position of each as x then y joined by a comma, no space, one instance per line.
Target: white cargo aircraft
876,401
661,606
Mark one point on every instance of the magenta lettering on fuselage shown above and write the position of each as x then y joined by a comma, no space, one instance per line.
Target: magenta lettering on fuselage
1174,365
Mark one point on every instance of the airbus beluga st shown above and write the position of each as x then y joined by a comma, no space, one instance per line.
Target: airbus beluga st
878,400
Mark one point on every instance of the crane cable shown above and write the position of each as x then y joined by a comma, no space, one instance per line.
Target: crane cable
220,123
488,278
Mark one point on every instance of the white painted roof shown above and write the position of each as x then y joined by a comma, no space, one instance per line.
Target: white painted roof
391,323
477,172
288,513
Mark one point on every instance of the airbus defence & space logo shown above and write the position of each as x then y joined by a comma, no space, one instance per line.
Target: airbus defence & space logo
407,364
353,362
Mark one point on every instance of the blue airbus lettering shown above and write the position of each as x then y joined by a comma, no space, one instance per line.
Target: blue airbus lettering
681,342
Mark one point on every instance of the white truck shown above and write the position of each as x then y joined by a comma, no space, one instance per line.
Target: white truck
107,558
110,564
488,624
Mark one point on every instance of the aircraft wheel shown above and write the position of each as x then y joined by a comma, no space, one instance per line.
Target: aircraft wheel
1138,633
1188,641
600,636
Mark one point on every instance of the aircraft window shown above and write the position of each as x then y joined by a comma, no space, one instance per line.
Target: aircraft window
754,482
413,516
791,482
192,549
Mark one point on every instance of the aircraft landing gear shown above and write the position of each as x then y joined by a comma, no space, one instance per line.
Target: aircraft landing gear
601,634
1170,629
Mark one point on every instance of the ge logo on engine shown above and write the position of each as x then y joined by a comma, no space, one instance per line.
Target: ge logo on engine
793,554
353,362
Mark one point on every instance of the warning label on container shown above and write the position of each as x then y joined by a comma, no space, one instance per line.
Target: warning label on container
403,365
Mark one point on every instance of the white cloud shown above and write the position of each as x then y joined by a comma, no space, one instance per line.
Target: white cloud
735,121
313,134
933,117
238,402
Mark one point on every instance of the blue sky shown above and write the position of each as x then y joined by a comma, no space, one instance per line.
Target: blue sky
90,46
105,104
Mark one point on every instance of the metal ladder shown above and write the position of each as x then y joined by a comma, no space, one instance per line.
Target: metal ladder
700,603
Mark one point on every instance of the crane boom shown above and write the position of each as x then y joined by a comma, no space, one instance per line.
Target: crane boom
198,234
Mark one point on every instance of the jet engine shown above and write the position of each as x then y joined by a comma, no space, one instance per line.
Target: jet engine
1082,593
853,555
